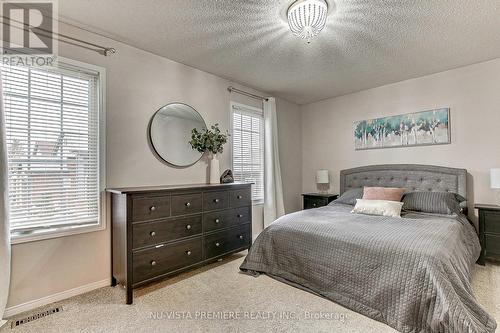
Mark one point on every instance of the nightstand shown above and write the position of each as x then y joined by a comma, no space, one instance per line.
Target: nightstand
315,200
489,232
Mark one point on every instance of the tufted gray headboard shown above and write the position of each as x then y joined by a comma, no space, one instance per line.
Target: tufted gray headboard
410,176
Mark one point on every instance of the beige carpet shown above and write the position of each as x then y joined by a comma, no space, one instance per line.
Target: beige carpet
219,290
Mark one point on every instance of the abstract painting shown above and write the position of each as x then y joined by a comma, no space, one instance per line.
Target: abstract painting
414,129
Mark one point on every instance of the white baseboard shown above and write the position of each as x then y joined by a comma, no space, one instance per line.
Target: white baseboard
28,306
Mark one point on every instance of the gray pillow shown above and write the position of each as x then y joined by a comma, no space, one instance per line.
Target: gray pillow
349,197
433,202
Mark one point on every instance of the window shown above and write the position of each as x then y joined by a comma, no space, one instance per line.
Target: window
248,148
53,142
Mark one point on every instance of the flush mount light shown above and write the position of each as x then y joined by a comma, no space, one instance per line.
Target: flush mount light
307,18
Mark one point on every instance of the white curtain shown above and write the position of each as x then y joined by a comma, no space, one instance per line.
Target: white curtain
273,187
4,216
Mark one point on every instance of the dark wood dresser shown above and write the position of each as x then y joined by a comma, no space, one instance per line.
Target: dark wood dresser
163,230
489,232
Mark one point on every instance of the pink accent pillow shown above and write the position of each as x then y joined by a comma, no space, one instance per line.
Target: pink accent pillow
383,193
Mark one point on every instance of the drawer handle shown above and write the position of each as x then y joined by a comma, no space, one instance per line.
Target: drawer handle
240,216
152,233
216,200
239,197
188,253
152,208
217,221
153,263
241,237
188,204
188,227
217,244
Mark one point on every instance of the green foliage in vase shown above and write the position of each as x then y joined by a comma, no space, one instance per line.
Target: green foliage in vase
209,140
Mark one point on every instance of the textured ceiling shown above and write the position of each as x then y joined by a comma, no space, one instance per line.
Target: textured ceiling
366,43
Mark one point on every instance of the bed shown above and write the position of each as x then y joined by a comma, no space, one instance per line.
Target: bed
412,273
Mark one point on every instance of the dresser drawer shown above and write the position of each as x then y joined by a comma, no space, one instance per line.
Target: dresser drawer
225,241
244,215
150,233
153,262
183,204
310,202
492,245
150,208
240,198
226,218
491,222
215,200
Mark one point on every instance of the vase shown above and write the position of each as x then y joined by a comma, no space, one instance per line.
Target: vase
214,170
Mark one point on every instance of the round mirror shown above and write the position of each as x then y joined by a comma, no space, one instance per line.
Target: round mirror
170,133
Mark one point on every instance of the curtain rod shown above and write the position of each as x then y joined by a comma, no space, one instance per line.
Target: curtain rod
105,51
241,92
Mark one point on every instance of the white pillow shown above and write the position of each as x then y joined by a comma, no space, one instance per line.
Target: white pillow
378,207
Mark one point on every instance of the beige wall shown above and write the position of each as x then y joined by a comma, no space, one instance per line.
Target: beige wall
472,93
138,83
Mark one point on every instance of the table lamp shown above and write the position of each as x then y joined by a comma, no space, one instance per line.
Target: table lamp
322,178
495,179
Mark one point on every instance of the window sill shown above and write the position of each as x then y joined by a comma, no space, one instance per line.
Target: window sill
19,238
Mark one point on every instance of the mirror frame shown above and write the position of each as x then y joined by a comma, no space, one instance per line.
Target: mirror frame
150,139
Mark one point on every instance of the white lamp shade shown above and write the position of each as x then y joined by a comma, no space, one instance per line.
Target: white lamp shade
495,178
322,177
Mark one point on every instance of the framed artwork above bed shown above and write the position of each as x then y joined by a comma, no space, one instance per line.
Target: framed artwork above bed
415,129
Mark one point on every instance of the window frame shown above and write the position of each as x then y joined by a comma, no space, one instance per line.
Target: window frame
259,111
63,231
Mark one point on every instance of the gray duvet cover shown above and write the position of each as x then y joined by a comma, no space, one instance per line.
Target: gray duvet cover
411,273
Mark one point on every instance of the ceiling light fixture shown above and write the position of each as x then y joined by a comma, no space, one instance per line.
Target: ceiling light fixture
307,18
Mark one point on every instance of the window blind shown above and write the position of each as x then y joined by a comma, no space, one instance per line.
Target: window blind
52,131
248,148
